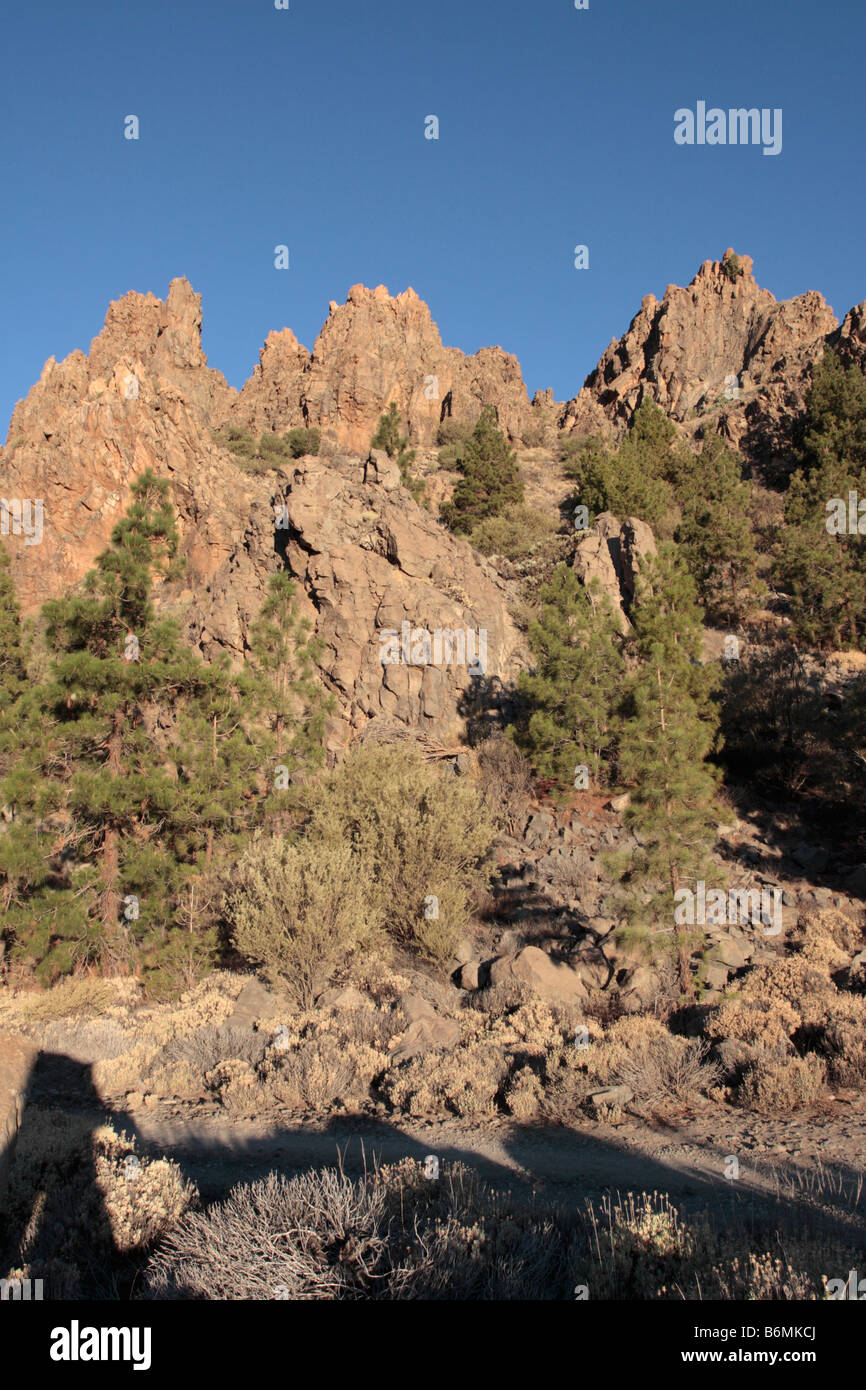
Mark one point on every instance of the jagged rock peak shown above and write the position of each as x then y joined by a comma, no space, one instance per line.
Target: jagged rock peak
704,353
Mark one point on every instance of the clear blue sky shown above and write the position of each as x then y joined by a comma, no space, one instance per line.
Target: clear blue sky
306,127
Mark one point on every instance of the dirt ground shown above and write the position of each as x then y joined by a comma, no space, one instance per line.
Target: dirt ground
713,1158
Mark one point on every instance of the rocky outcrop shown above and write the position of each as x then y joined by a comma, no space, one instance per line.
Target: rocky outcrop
372,563
720,354
607,559
368,558
373,350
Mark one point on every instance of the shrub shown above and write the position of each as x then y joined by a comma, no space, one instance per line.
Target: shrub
515,533
732,266
207,1047
464,1082
415,834
84,995
491,478
453,439
317,1236
298,910
304,441
396,446
394,1234
321,1072
772,1086
506,781
82,1199
270,450
640,1053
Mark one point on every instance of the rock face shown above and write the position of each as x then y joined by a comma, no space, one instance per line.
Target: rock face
368,557
373,350
721,353
607,559
371,561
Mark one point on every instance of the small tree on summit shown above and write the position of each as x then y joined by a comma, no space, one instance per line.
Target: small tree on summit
491,477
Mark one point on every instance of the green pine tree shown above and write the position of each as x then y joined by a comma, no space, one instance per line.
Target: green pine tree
825,571
638,478
573,694
491,477
290,700
715,532
670,729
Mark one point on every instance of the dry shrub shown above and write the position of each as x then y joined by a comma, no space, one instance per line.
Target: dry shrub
102,1039
792,1006
769,1023
506,781
843,1044
464,1082
470,1079
644,1247
524,1097
237,1085
640,1053
375,977
84,1201
396,1235
207,1047
156,1027
771,1085
415,832
317,1236
321,1072
71,998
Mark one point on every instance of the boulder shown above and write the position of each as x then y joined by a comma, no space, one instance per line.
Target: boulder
547,978
427,1033
255,1001
469,975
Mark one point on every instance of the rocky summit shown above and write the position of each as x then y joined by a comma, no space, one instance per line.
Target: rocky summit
721,354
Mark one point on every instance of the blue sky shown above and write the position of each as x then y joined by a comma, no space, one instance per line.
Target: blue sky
305,127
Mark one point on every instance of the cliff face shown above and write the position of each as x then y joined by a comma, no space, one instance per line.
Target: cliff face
367,557
721,354
373,350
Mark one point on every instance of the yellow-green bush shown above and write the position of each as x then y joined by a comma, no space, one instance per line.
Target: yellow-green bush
418,837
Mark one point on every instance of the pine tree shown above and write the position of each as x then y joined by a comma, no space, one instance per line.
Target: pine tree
715,531
574,692
825,571
139,772
396,446
23,866
670,729
290,700
638,478
114,664
491,477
